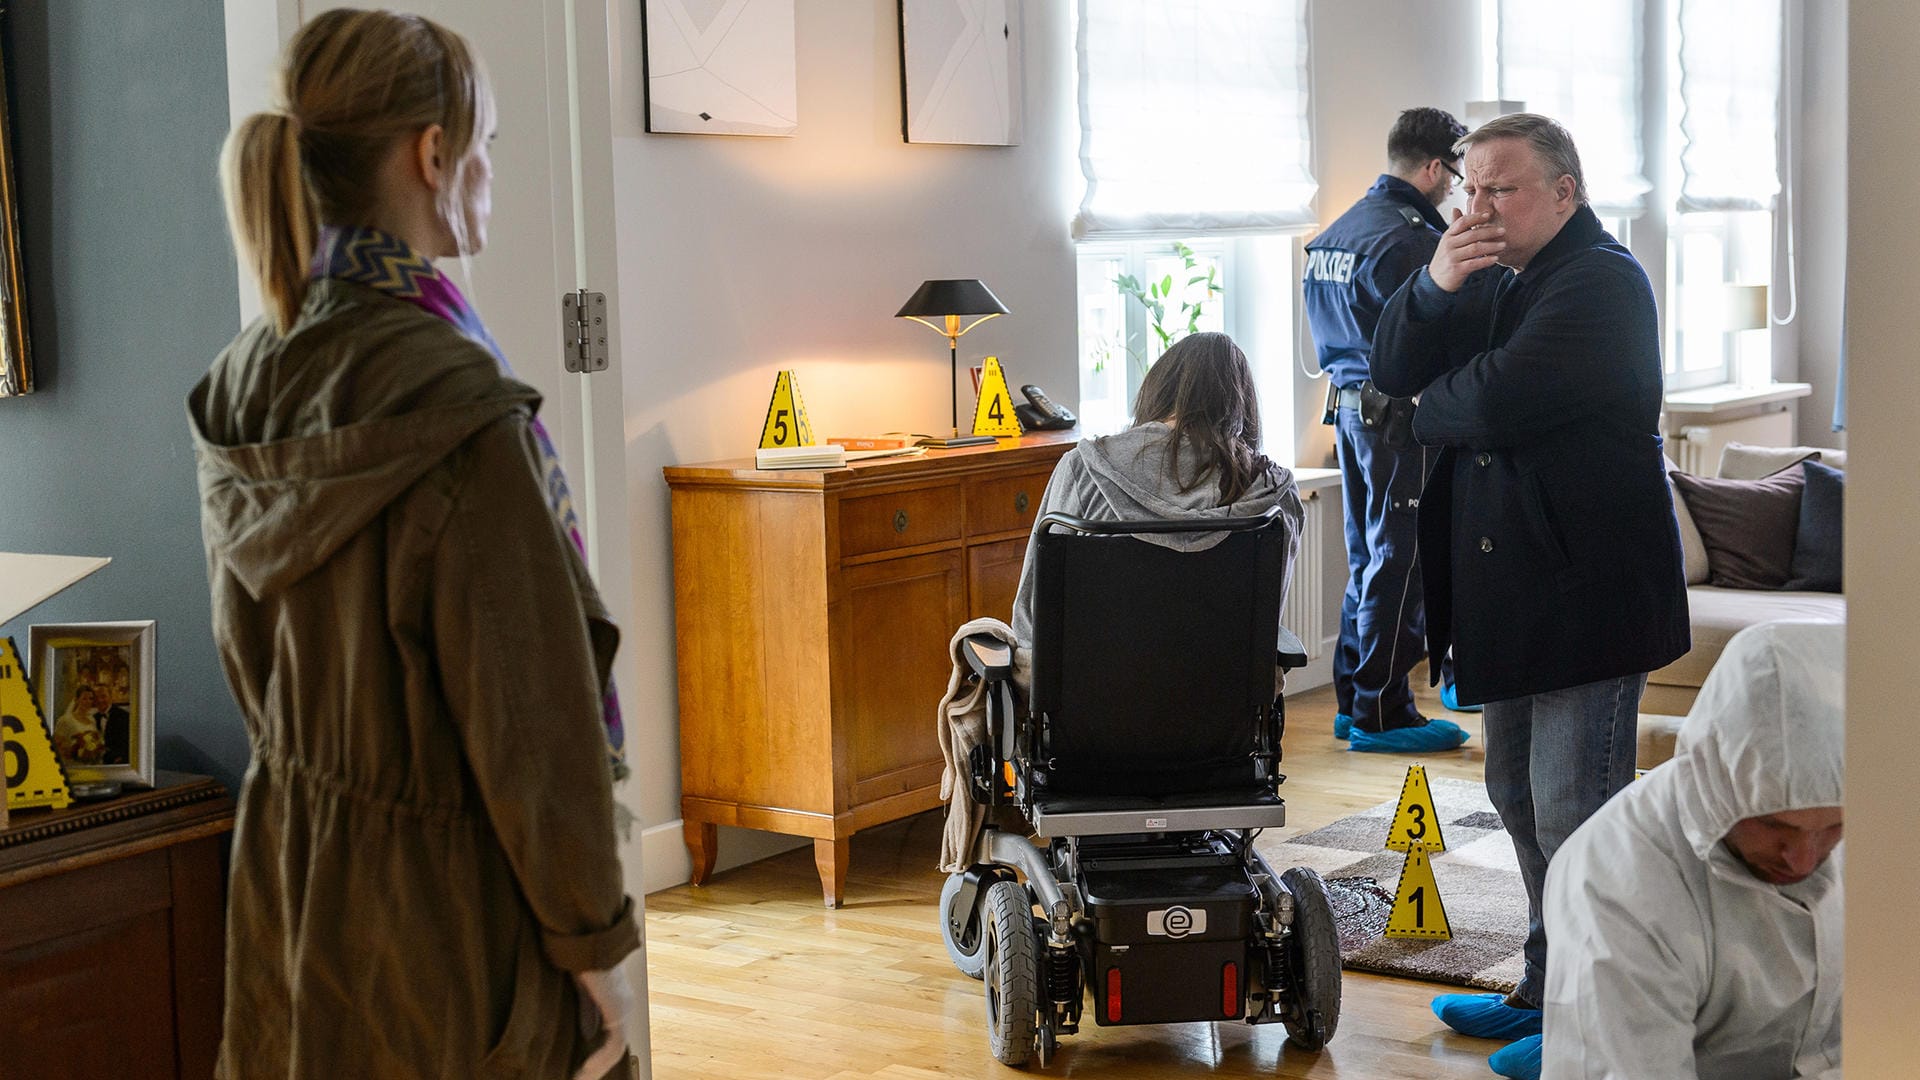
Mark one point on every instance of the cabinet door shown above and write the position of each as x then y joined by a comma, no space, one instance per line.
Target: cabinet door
993,577
896,620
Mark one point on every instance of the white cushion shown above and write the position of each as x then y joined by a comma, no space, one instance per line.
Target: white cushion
1693,549
1741,461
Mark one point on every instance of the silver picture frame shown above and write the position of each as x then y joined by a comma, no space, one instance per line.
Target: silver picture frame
95,685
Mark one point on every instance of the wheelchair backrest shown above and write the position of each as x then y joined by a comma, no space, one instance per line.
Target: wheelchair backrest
1153,667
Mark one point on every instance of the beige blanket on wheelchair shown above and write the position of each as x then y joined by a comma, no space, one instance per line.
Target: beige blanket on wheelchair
962,725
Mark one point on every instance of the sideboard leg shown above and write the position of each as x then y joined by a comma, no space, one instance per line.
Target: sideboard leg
830,858
703,843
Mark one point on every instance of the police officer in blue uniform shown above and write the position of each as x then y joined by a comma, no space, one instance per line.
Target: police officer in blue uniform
1352,269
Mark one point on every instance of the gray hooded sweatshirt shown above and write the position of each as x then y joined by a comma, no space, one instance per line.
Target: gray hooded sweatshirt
1670,958
1125,477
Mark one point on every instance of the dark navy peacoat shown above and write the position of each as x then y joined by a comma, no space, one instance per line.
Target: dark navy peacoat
1546,529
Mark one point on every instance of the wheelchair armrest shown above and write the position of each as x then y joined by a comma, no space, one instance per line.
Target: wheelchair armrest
989,657
1292,654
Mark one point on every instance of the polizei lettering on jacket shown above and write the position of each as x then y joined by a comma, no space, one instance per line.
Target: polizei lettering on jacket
1329,265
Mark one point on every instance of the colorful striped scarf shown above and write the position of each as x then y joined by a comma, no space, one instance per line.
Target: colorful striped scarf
382,261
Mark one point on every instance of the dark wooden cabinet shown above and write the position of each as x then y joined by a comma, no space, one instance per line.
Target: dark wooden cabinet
113,935
812,612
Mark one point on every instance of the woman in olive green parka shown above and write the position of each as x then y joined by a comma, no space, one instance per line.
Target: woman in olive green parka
425,880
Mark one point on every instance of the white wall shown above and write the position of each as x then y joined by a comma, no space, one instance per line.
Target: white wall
1883,508
743,256
1371,59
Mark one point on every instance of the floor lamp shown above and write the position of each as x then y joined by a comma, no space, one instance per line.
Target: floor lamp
951,300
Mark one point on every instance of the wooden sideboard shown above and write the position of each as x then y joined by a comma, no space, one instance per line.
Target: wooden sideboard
813,611
113,935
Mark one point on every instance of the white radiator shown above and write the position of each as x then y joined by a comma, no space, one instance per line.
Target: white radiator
1306,596
1697,447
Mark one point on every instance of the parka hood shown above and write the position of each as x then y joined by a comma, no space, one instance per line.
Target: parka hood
351,421
1766,735
1130,470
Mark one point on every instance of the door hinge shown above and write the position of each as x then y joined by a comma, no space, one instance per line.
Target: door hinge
583,330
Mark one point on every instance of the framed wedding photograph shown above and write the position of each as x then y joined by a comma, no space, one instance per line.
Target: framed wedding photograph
95,685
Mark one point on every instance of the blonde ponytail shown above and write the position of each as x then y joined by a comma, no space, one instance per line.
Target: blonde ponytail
351,84
270,210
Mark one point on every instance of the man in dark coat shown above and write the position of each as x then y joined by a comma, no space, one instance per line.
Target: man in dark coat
1552,560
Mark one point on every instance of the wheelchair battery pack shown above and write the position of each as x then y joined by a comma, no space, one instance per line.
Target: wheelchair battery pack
1169,938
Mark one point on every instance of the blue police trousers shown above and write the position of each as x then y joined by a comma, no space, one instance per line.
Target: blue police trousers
1382,617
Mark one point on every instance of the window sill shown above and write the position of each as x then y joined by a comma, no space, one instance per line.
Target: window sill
1707,401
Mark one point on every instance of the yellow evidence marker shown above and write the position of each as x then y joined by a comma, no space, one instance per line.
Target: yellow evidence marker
33,773
1416,824
993,414
1417,910
786,423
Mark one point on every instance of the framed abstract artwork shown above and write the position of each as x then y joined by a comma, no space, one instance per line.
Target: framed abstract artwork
720,67
960,71
16,361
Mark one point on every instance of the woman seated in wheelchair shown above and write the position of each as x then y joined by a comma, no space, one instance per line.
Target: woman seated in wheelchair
1193,452
1144,757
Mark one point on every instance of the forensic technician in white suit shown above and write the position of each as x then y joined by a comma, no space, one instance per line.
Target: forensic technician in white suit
1696,918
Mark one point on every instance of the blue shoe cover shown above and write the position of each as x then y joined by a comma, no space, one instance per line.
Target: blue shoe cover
1342,725
1428,738
1519,1060
1486,1016
1450,697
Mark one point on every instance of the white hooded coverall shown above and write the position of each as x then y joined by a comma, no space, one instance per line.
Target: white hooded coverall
1670,958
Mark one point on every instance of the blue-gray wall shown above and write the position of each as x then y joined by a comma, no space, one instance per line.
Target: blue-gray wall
118,110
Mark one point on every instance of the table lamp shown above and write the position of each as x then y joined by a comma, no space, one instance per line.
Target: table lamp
951,300
1746,309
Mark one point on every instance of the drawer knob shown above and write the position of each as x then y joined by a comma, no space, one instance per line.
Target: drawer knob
1020,502
899,521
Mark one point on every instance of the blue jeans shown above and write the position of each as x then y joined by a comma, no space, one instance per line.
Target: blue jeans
1552,759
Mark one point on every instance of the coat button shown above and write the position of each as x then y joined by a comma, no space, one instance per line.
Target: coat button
1486,544
1483,460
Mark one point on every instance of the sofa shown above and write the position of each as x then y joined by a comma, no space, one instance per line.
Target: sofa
1717,612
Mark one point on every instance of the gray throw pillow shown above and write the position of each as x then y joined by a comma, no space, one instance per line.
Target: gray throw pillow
1748,526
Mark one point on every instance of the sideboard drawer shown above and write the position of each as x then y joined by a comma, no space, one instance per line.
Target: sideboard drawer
1005,503
903,519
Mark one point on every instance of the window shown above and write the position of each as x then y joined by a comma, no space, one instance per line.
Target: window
1193,131
1707,253
1117,340
1707,123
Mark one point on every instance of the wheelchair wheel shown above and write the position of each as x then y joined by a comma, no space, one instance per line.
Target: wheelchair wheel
1313,961
969,953
1012,973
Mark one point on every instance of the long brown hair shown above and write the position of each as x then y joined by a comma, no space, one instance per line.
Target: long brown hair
1204,387
350,84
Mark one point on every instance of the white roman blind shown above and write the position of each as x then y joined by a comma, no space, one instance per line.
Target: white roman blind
1581,65
1193,118
1730,102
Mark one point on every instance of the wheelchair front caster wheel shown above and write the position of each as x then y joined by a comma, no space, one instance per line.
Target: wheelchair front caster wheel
1012,973
1313,961
968,951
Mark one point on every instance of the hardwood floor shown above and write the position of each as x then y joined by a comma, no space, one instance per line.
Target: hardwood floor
752,978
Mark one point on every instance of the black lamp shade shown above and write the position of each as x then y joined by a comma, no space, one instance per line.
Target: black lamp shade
951,296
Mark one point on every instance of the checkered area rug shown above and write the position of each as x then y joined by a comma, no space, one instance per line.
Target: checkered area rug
1479,882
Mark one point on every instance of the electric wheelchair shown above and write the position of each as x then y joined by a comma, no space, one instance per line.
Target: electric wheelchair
1145,761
